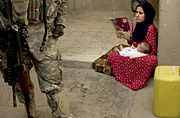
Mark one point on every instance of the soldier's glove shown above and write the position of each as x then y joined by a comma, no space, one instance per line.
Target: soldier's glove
58,31
4,23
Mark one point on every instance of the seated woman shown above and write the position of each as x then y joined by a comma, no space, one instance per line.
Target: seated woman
135,73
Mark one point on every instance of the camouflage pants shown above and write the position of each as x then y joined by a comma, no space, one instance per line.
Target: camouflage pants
49,69
49,74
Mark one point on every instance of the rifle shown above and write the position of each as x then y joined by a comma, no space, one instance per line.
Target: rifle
11,42
15,71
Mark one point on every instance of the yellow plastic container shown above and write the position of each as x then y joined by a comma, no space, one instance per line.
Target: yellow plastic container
167,91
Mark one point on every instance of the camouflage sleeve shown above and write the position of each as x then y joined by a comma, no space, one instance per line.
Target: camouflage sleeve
61,12
59,20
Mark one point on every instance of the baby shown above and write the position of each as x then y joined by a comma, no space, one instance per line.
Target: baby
142,49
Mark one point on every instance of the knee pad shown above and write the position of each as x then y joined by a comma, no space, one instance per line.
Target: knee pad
62,110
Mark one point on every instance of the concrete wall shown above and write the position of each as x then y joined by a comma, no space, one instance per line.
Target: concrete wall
168,15
98,4
169,32
98,8
102,8
155,4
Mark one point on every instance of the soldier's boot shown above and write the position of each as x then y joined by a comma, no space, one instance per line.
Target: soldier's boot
62,110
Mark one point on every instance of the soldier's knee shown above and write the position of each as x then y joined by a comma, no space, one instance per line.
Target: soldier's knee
60,105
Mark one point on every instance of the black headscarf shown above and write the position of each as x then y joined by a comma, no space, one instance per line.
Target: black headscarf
141,29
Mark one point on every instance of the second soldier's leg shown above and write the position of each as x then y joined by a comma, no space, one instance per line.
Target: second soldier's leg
49,72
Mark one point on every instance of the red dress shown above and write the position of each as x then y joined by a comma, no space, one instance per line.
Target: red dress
135,73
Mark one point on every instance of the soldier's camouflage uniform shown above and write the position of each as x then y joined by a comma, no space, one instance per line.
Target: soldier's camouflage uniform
48,62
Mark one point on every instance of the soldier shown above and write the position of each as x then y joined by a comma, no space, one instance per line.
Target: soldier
43,54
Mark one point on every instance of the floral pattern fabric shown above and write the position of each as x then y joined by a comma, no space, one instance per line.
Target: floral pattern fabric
134,73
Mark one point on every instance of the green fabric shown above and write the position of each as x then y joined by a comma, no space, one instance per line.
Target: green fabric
1,5
4,23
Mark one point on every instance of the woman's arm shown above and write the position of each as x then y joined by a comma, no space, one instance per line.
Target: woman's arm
134,56
130,41
133,26
151,38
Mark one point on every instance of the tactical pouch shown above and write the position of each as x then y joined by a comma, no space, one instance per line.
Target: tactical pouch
34,12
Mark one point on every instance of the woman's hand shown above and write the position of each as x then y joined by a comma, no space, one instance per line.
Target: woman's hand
122,35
